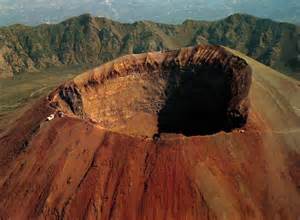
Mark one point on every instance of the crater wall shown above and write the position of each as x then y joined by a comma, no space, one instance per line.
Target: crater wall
193,91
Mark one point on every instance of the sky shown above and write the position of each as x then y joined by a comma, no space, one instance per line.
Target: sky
34,12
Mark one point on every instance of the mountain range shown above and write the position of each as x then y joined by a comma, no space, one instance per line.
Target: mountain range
92,40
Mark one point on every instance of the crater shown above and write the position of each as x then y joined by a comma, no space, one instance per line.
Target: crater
192,91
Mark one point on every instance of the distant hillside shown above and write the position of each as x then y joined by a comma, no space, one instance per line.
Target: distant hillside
92,40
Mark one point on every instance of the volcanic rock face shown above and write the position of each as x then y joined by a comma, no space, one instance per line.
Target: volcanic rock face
96,161
192,91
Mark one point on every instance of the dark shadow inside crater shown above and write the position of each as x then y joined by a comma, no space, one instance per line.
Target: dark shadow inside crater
197,100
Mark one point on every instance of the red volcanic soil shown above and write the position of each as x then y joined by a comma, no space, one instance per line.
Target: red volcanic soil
158,136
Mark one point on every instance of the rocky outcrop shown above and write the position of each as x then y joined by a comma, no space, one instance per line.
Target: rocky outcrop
198,90
72,97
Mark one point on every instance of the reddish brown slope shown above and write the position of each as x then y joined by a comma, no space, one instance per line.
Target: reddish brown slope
76,168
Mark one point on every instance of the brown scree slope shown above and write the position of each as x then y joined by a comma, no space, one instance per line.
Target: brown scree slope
101,162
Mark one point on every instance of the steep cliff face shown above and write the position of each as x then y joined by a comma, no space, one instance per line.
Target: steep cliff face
91,40
100,160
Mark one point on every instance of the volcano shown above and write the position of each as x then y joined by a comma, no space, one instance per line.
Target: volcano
197,133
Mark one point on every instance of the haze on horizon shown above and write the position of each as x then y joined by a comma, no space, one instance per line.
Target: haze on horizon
34,12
